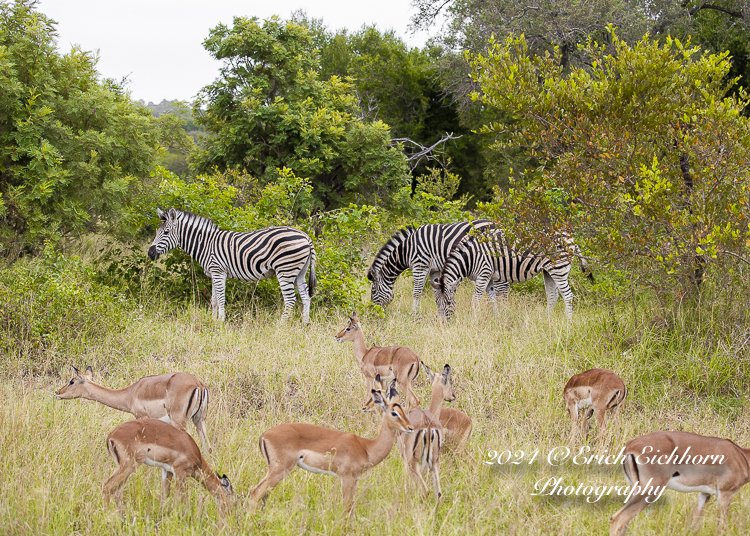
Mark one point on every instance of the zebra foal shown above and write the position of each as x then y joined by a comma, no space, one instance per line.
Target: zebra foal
424,250
489,260
282,251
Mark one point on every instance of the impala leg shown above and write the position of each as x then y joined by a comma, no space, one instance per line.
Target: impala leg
618,523
588,412
348,493
725,498
435,474
703,498
276,473
573,411
409,393
113,485
166,483
218,290
416,473
601,413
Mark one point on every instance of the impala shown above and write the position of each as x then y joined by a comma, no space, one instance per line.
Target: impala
421,450
159,444
595,391
173,398
685,462
398,363
457,425
329,452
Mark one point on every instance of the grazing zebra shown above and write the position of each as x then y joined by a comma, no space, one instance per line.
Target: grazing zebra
424,250
491,260
282,251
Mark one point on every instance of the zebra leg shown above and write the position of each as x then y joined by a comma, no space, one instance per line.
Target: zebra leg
420,275
566,292
218,289
304,294
551,288
287,293
480,285
501,288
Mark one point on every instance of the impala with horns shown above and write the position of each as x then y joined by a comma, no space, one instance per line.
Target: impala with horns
329,452
159,444
594,391
174,398
685,462
398,363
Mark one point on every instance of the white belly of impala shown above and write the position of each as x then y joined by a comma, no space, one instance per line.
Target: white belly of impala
163,466
584,403
314,469
673,484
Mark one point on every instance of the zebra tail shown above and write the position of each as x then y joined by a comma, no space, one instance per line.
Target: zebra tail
585,267
313,280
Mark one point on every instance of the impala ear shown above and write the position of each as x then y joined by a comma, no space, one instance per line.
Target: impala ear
430,374
446,373
89,373
392,392
377,397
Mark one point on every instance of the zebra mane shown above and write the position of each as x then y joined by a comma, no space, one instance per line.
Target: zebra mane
193,218
385,252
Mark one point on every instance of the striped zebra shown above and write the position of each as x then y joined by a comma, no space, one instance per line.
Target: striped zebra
424,250
282,251
489,260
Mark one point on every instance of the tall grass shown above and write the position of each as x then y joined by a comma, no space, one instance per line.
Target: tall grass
509,371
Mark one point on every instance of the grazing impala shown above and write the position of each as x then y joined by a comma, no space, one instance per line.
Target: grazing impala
391,362
173,398
329,452
685,462
159,444
595,391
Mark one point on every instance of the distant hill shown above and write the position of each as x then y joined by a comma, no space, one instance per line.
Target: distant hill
164,107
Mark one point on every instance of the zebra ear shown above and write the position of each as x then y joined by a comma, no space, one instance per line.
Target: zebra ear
161,214
172,213
435,281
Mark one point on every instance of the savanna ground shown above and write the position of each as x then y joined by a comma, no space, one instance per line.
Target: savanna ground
509,371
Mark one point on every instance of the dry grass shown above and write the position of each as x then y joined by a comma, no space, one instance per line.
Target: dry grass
509,373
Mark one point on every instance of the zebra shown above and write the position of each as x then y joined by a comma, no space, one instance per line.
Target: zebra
424,250
490,260
282,251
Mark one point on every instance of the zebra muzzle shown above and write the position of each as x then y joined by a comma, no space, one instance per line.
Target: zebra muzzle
152,254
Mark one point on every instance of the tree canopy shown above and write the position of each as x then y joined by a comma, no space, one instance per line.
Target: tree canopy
270,109
641,152
72,148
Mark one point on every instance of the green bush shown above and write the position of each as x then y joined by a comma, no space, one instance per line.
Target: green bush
51,303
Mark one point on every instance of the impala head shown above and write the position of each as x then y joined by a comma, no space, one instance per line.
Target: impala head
445,296
393,413
390,394
166,234
226,485
350,330
76,386
443,380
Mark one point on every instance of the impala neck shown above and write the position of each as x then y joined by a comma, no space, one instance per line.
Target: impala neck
114,398
436,401
360,349
746,452
380,447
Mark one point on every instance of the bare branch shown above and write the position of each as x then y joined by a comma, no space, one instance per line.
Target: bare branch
419,151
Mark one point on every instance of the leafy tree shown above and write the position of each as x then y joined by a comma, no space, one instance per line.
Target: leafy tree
270,109
72,148
641,153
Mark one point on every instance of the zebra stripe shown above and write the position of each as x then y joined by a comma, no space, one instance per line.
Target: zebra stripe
424,250
282,251
490,260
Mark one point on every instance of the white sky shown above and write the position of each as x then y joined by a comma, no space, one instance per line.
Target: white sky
157,43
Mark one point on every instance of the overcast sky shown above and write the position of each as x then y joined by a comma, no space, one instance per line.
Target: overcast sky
156,44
